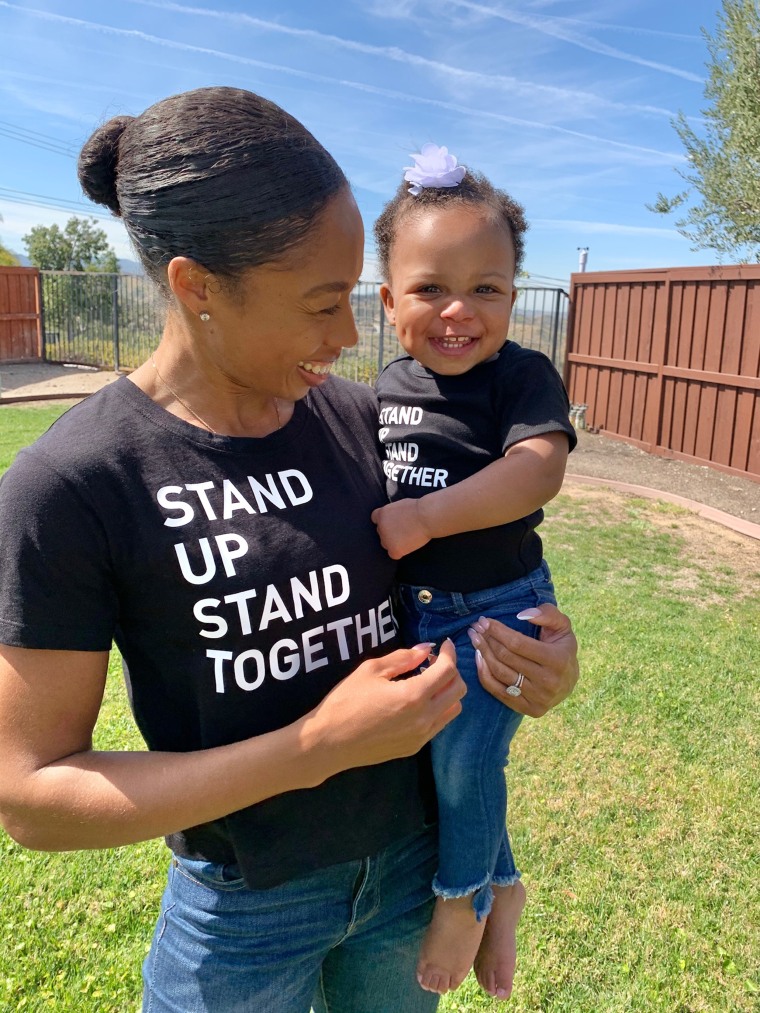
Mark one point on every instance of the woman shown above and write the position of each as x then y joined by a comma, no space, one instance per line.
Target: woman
211,514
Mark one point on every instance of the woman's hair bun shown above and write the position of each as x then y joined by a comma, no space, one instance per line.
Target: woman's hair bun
98,161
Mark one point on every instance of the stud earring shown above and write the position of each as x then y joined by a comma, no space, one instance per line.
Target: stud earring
205,317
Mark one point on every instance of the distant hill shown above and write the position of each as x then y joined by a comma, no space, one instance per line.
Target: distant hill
130,267
125,266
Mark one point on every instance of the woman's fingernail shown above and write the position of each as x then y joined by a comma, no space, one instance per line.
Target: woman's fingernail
481,625
479,661
423,647
529,614
475,639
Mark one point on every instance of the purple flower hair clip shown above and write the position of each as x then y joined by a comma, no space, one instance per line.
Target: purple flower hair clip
433,167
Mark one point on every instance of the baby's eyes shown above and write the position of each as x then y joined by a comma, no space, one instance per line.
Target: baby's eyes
435,289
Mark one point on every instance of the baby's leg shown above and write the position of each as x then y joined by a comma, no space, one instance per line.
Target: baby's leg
469,756
497,954
450,944
468,762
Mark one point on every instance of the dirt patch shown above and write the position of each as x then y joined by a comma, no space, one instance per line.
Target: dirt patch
47,378
603,457
710,545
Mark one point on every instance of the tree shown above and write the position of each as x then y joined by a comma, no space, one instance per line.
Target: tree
80,246
74,303
722,199
7,259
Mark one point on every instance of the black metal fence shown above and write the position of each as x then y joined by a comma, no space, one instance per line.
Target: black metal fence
539,321
114,321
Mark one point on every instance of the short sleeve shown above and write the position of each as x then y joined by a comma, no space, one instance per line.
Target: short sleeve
56,588
531,399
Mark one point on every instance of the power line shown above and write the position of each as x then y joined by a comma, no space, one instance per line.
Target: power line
51,203
543,277
37,139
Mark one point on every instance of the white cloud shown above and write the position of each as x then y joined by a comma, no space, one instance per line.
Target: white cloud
615,228
19,219
556,28
632,29
443,71
641,152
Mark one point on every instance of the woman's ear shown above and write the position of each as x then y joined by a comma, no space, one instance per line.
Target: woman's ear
191,284
388,305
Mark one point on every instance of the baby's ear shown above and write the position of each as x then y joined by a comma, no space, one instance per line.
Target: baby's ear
388,305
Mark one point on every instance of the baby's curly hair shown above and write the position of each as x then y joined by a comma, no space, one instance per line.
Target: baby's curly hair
474,189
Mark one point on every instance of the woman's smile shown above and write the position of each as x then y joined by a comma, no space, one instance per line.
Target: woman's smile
316,371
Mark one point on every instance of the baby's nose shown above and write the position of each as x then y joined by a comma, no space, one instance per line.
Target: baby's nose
457,309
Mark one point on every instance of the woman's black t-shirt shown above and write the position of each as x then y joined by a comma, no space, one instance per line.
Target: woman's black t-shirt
241,579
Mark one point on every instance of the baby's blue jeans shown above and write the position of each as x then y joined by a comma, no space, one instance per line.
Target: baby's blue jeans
470,754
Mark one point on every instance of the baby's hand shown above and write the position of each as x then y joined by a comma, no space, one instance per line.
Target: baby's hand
400,527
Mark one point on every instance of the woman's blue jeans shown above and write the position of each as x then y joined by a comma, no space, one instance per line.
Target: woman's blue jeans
344,939
470,754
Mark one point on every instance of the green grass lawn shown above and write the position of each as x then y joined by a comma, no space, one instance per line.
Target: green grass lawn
20,426
633,806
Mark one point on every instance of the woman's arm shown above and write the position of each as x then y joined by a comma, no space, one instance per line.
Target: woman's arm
549,665
57,793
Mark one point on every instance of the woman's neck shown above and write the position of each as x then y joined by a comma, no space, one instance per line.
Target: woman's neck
188,385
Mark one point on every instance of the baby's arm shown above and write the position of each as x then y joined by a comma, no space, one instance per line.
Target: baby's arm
525,479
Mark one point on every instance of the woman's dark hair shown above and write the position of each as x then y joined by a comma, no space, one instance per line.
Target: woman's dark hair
474,190
219,175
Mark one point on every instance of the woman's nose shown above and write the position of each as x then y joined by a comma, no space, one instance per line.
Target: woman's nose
344,333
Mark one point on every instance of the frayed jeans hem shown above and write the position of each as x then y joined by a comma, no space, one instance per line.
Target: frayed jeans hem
506,880
482,895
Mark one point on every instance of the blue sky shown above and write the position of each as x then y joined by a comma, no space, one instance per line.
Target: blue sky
565,104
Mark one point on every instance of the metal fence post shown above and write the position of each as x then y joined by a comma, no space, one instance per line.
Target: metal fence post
555,327
115,305
41,300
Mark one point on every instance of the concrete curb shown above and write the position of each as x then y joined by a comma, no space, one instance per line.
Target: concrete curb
737,524
61,396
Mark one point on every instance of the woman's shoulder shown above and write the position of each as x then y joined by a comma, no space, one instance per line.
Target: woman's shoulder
347,395
85,437
349,410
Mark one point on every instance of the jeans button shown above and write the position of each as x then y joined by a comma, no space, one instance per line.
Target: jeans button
425,596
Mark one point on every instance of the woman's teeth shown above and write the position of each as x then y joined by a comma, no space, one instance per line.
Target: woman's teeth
320,368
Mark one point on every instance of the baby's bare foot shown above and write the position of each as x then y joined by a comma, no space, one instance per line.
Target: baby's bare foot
497,956
450,945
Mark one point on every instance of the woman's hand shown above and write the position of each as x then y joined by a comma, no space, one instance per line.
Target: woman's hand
549,666
373,716
57,793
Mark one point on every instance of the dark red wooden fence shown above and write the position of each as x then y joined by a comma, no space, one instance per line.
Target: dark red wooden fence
669,360
20,318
